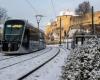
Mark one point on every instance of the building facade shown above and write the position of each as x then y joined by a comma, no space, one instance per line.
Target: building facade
67,21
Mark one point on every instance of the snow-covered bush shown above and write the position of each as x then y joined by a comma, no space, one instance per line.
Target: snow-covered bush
83,63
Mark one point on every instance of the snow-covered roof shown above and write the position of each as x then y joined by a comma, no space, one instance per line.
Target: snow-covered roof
49,23
67,12
72,32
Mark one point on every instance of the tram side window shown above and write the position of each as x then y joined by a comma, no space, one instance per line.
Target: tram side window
34,36
41,36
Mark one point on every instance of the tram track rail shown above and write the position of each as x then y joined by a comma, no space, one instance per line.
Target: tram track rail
9,65
18,55
5,58
37,68
64,48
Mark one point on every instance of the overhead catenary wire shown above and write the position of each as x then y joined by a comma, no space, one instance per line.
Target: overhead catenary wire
29,3
38,16
53,7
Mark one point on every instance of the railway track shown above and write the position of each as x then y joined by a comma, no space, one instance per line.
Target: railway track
5,57
2,57
27,66
16,60
32,71
52,70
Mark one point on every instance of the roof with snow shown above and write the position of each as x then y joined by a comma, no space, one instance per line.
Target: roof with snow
67,12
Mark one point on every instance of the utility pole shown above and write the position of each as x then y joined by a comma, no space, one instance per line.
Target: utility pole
38,18
93,27
60,31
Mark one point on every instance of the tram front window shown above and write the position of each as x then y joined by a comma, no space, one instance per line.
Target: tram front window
13,32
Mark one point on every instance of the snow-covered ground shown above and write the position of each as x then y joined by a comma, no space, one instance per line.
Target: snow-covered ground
10,69
52,70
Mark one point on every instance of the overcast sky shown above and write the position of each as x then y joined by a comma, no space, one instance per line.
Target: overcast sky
22,9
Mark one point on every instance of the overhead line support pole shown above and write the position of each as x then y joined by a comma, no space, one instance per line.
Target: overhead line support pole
60,31
93,27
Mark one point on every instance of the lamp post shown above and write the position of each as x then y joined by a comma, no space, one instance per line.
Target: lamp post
38,18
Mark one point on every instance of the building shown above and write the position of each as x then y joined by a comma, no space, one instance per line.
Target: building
70,23
62,22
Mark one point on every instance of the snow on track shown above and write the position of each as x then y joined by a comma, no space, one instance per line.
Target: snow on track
52,70
2,57
15,60
16,71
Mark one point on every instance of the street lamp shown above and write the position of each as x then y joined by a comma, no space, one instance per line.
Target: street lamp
38,18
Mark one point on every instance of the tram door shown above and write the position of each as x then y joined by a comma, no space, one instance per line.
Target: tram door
26,39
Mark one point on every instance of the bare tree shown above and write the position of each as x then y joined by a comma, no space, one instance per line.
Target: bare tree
83,8
3,15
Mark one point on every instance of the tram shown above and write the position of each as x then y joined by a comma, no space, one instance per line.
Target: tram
20,37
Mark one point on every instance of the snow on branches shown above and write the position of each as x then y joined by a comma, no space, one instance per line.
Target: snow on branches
83,63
